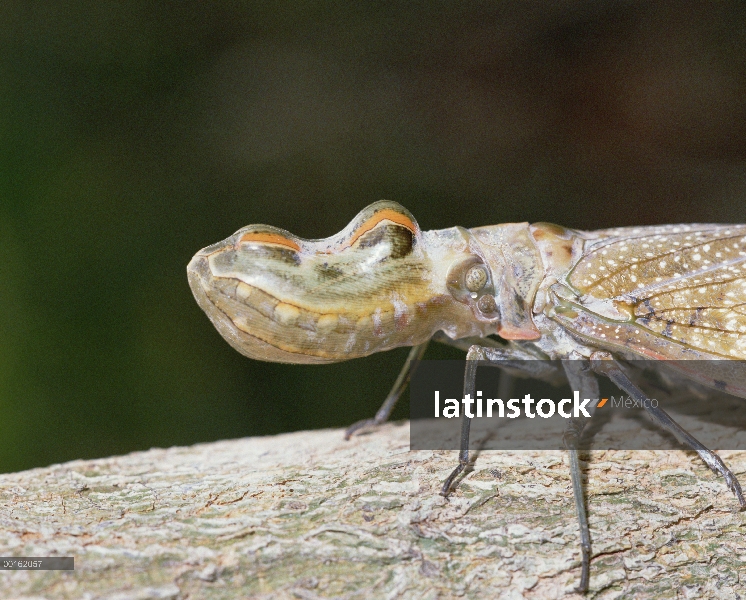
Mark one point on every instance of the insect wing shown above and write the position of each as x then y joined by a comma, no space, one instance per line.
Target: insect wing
669,292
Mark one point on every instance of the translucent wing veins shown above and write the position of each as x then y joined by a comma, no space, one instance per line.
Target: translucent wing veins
686,283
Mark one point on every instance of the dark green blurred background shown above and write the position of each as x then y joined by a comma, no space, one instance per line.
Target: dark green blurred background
133,134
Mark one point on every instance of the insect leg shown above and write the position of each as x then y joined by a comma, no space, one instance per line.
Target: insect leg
580,378
514,359
475,354
604,363
389,403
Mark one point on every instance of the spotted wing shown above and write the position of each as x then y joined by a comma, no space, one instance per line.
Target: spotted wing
682,284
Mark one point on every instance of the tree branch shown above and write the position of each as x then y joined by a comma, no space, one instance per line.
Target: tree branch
308,515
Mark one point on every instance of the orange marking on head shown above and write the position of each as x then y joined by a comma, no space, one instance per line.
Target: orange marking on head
269,238
509,332
387,214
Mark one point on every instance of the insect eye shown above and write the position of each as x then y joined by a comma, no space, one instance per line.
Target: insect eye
475,278
487,306
470,282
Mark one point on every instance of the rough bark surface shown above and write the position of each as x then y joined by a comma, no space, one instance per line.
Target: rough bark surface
308,515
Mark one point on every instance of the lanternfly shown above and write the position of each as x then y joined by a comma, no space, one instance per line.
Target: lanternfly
671,292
